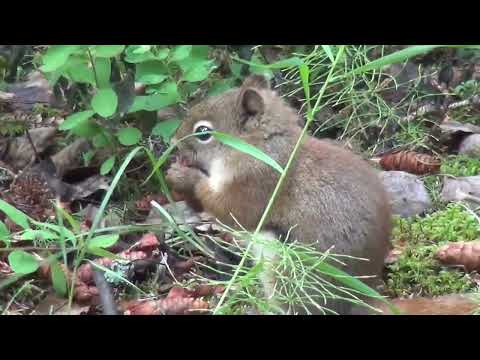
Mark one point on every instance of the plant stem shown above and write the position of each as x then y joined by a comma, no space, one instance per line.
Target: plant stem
310,117
93,67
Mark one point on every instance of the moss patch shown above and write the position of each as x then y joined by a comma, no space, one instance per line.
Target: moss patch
416,271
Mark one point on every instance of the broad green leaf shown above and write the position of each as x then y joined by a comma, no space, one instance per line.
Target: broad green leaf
15,215
166,129
103,67
79,70
31,234
58,229
87,129
22,262
162,54
199,71
103,241
100,140
107,165
105,102
167,95
56,56
59,280
200,51
180,52
76,119
142,49
108,51
329,52
129,136
244,147
135,54
151,72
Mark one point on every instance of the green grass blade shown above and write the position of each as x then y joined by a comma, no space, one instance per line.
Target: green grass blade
244,147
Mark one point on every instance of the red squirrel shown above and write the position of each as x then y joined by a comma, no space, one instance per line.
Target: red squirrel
330,198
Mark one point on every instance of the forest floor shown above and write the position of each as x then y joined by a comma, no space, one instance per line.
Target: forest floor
87,227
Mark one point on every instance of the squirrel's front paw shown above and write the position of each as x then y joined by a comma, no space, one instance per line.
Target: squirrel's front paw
183,178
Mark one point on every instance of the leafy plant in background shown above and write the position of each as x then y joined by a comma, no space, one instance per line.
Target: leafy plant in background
170,74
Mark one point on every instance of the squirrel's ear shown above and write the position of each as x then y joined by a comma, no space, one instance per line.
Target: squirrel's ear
256,81
251,102
251,98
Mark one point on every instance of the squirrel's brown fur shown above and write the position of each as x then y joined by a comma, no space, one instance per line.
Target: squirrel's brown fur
332,196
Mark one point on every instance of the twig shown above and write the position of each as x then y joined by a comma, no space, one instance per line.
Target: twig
105,292
32,144
430,108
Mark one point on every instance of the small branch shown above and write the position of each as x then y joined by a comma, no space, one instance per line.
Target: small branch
32,144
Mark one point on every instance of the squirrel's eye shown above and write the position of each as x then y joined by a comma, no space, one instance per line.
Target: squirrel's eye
200,130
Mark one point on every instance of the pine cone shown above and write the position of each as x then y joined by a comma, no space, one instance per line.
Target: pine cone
31,194
462,253
410,161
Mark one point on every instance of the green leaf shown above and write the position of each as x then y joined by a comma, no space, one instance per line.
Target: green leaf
394,58
103,67
166,129
87,129
167,95
103,253
305,76
103,241
136,54
76,119
15,215
101,140
279,65
22,262
108,51
244,147
200,51
107,165
142,49
350,281
329,52
199,71
31,234
129,136
180,52
151,72
79,70
4,233
105,102
56,56
59,280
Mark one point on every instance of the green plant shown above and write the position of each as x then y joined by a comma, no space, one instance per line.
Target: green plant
170,74
417,271
460,165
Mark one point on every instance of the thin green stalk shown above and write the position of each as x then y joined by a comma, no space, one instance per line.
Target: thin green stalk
310,117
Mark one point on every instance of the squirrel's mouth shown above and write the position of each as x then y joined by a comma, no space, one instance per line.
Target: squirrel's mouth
198,166
192,162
